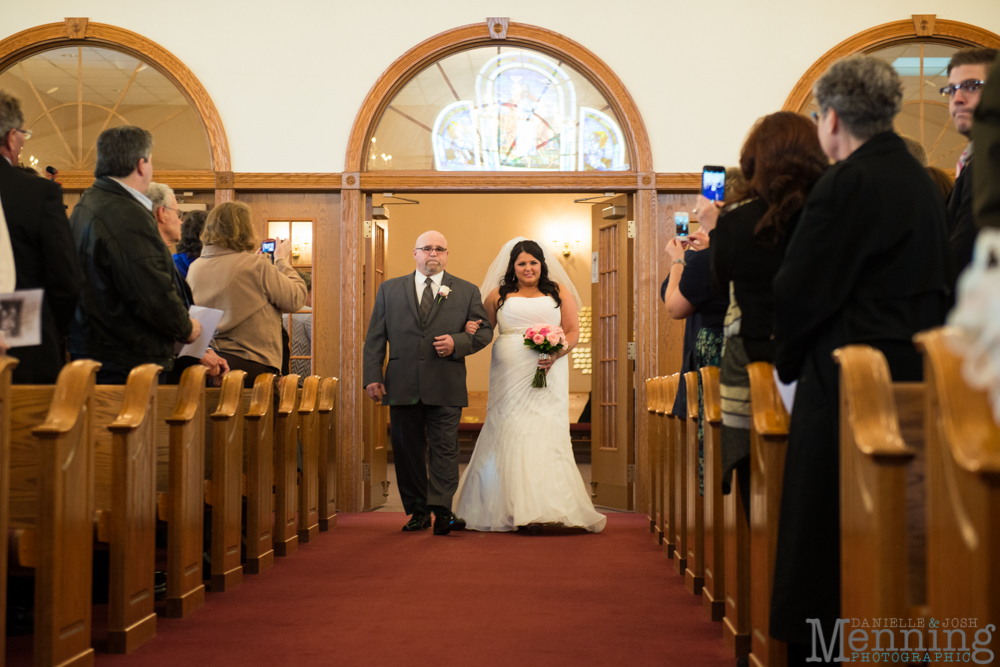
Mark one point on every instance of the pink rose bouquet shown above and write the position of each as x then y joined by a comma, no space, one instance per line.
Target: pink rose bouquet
546,339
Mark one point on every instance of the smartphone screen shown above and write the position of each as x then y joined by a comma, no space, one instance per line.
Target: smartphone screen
267,246
713,183
681,224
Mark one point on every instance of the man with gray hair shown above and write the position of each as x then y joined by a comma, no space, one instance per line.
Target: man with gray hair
867,264
44,254
129,312
168,222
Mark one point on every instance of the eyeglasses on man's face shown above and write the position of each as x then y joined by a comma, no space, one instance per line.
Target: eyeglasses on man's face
433,249
26,133
969,86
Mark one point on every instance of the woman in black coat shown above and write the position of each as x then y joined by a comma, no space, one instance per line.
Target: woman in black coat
867,263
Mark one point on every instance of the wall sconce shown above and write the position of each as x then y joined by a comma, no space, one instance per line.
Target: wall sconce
565,245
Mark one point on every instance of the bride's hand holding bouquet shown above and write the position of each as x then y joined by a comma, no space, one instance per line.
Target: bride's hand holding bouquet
548,340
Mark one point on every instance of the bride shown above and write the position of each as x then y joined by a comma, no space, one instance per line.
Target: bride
522,472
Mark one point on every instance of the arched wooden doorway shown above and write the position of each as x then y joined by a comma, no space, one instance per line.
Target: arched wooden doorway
81,32
357,182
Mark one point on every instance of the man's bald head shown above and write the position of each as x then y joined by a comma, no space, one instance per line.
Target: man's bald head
433,261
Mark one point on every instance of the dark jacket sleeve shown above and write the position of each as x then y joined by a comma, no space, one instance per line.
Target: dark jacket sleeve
720,248
375,342
963,229
986,133
146,282
63,276
821,266
466,344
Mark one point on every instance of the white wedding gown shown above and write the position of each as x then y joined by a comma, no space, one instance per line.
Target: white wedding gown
522,470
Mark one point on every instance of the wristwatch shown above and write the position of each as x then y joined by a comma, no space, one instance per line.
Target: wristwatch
681,261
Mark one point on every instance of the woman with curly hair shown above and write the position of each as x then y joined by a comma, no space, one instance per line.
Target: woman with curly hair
189,247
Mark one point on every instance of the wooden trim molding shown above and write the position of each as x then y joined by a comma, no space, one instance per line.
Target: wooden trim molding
79,31
287,181
920,26
467,37
75,181
678,182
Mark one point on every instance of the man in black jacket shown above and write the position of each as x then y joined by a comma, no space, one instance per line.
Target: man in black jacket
129,312
967,71
44,254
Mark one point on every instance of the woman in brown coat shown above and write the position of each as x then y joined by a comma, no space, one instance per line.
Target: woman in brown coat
233,276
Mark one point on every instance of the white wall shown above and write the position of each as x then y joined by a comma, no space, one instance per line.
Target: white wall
288,77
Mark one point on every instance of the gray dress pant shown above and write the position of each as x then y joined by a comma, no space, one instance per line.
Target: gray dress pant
417,430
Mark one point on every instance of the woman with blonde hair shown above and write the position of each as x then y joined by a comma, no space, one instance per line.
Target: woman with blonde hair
233,276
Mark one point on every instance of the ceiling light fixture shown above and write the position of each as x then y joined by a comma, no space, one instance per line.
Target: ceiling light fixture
51,90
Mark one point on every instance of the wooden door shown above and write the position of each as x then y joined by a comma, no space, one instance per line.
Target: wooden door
376,417
613,393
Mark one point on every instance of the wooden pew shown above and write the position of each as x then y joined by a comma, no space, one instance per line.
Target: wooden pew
963,497
694,574
182,500
713,594
52,497
679,484
258,441
225,489
659,427
768,441
7,365
126,500
736,539
286,538
308,499
652,385
669,463
880,436
328,459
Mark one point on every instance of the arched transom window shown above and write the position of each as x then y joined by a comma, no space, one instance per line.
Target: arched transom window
69,95
923,67
499,109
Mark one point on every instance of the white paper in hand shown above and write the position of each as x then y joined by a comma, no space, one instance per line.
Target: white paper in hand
21,317
786,391
209,318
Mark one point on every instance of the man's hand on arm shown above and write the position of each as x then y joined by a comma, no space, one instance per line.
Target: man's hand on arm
444,345
376,390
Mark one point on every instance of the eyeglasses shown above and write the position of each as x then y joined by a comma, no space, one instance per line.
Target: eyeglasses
969,86
175,210
26,133
815,116
428,249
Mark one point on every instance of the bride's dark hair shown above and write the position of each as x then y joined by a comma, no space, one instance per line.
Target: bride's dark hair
508,284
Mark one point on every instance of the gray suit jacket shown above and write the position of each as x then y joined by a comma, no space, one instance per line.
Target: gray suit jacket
415,371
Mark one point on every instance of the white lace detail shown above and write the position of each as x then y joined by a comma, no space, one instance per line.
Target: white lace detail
504,331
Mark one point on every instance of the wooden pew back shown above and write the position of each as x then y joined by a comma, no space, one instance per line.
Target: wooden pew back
768,441
227,479
52,493
328,456
714,591
258,442
874,463
669,465
963,498
286,538
308,496
651,409
694,574
680,487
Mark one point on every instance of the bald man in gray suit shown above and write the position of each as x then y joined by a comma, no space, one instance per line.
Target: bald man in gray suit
422,317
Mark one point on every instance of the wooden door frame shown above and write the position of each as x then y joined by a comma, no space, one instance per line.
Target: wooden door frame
356,183
79,31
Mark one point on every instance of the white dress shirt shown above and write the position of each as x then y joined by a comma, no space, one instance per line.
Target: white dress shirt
420,280
141,198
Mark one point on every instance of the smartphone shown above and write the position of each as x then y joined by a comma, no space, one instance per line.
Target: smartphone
713,182
681,224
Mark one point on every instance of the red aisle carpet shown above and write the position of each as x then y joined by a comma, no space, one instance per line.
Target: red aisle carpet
369,594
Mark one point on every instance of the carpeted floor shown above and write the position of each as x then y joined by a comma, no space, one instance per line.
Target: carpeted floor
368,593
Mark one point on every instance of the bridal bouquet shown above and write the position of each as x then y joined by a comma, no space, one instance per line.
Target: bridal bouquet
546,339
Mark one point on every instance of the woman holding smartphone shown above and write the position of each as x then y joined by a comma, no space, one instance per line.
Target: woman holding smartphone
232,275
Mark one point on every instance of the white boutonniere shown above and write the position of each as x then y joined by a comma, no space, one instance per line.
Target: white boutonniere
443,293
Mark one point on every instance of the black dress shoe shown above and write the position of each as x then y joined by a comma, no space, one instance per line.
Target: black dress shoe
418,522
445,523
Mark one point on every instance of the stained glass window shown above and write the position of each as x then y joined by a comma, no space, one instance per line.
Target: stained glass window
923,67
69,95
499,109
